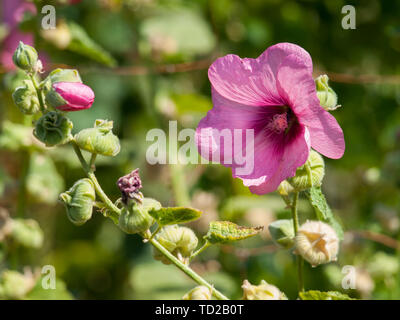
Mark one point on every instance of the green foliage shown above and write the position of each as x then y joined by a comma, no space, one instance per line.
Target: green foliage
322,209
44,183
318,295
81,43
174,215
226,232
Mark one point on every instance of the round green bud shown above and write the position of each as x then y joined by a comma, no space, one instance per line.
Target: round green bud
310,174
79,201
25,57
198,293
26,99
27,233
282,233
180,241
99,140
327,97
53,128
134,218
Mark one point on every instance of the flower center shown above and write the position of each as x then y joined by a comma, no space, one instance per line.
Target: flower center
282,122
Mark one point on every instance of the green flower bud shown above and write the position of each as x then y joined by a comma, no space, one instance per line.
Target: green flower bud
53,128
310,174
263,291
79,201
180,241
327,97
100,139
60,75
282,233
15,285
134,218
198,293
25,57
26,99
27,233
285,188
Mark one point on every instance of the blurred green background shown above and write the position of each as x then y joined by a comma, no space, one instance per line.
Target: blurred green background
147,61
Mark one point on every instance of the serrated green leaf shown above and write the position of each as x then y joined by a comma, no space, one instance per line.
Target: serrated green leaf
174,215
319,295
226,231
322,210
81,43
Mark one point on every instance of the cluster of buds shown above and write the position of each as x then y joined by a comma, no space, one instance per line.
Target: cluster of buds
62,91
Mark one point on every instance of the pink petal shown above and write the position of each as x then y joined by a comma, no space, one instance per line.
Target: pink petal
77,95
227,115
295,155
297,87
253,81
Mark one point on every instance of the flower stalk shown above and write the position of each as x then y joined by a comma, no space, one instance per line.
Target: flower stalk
299,259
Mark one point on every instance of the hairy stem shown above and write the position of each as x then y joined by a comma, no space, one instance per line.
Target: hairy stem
113,209
186,269
296,229
200,250
39,93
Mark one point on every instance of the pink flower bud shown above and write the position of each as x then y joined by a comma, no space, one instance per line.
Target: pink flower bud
70,96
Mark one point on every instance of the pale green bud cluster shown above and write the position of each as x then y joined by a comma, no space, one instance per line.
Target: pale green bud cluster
99,139
180,241
79,201
53,128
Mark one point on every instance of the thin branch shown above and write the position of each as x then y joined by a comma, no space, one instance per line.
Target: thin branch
376,237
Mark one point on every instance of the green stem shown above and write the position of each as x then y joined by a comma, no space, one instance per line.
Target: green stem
186,269
202,248
39,93
113,209
296,228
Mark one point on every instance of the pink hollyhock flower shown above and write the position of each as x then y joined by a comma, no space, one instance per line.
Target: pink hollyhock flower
70,96
275,96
